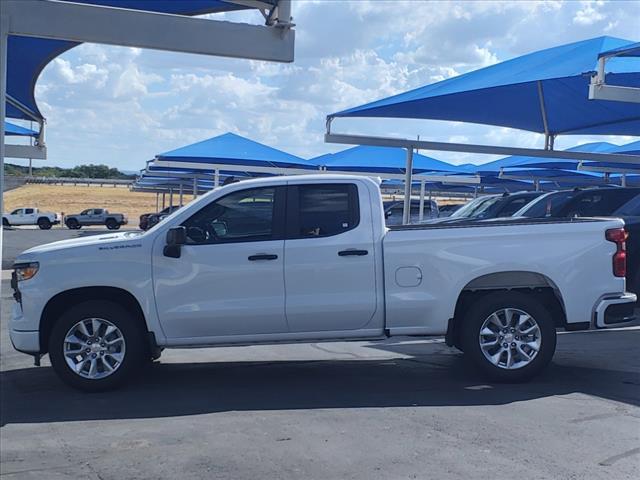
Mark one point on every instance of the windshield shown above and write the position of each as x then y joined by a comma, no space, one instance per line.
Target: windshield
546,206
475,207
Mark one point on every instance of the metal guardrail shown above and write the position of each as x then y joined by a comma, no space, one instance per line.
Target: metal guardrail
115,182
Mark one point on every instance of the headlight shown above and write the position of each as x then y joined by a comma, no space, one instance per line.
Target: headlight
25,271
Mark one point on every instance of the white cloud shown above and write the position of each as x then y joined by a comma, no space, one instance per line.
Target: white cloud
589,13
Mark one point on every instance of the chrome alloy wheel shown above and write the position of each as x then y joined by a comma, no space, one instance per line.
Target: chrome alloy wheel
510,338
94,348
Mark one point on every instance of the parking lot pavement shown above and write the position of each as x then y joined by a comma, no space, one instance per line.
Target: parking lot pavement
408,408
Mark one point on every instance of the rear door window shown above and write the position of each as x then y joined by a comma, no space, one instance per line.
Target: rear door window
322,210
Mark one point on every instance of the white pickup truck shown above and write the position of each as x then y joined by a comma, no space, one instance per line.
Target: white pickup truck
308,259
30,216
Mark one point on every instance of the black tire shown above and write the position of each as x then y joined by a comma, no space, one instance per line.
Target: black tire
482,309
44,223
5,223
73,224
112,224
136,351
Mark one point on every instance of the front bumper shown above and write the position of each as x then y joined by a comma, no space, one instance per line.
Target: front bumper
615,311
25,342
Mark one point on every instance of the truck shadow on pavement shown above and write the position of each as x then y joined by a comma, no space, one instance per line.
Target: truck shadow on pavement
443,378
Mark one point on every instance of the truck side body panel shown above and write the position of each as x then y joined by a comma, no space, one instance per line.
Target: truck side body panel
427,269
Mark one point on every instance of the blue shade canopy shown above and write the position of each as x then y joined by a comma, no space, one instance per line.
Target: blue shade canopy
365,158
27,56
509,94
632,148
17,130
537,162
632,50
232,149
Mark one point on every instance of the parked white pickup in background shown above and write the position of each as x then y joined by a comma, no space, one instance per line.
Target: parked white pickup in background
30,216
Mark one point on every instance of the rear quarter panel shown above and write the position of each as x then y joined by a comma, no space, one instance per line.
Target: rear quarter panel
574,257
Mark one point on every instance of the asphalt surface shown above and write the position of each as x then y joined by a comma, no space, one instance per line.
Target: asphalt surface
400,409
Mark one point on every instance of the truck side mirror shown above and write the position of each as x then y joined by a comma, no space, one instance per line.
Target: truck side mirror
176,237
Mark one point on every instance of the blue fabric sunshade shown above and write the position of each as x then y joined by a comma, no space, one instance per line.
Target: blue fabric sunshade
18,131
372,159
232,149
27,56
508,93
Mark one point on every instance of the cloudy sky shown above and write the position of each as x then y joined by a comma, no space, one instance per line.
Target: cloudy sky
121,106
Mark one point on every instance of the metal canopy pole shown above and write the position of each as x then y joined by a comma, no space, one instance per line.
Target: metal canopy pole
623,180
157,201
195,187
4,21
216,178
421,214
181,194
163,200
171,198
407,187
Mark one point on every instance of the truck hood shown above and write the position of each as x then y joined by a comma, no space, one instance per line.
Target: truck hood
111,239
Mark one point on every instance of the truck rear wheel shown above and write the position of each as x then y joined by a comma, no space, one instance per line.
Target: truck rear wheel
112,224
97,345
510,336
44,223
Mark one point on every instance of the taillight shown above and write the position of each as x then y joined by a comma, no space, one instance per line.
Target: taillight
619,237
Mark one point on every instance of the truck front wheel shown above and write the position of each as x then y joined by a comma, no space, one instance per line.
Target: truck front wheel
73,224
5,223
97,345
509,336
44,223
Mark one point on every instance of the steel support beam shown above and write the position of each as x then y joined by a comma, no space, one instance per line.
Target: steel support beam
458,179
614,93
599,90
481,149
589,168
25,151
134,28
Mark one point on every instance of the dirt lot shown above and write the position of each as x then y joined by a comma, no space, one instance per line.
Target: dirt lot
74,199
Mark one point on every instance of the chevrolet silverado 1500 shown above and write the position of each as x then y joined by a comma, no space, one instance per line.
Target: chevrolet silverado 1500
308,259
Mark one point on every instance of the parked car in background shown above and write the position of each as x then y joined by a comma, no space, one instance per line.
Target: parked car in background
447,210
490,206
144,218
393,211
30,216
156,218
597,202
591,202
309,258
95,216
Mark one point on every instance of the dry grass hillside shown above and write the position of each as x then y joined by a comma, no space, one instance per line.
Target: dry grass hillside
74,199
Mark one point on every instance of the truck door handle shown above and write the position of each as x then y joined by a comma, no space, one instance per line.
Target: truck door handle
353,252
262,256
